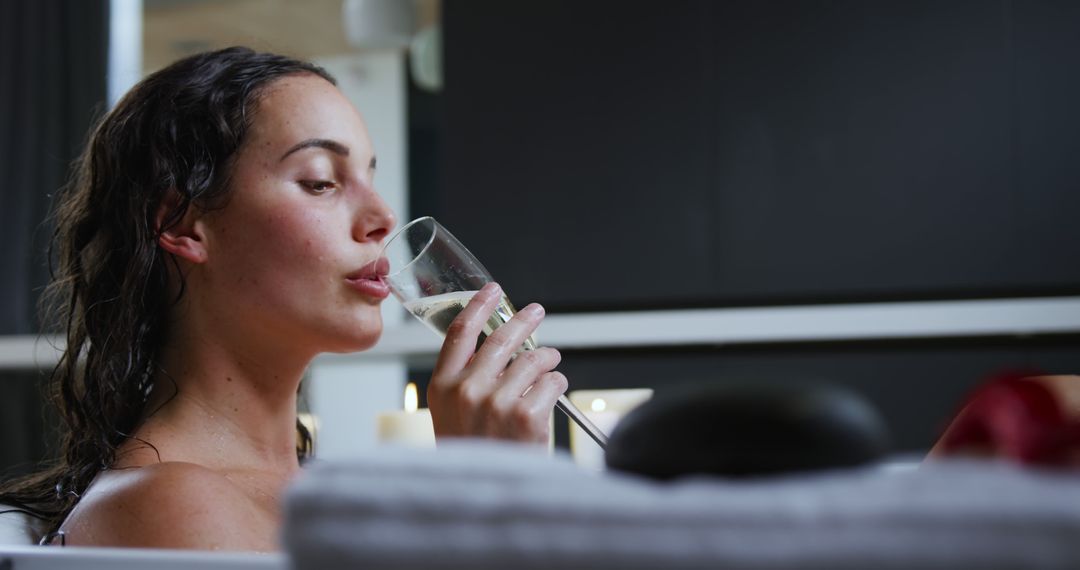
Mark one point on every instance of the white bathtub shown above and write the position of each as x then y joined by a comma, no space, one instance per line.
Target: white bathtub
76,558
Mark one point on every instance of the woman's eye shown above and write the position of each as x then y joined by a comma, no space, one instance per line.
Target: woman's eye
318,186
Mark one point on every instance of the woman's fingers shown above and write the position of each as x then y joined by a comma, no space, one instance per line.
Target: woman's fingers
461,335
494,355
523,373
537,404
491,393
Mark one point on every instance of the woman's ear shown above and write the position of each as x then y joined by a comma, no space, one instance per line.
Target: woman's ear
183,238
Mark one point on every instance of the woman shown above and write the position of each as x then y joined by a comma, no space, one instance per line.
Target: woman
220,233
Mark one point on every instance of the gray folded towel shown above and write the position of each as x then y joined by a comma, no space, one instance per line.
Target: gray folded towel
484,505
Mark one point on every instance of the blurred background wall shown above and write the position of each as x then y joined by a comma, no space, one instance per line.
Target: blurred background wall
625,156
608,156
52,84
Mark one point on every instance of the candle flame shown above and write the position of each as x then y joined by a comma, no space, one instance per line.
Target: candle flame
411,398
599,405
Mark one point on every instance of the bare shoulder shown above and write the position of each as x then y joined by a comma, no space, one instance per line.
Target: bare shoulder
168,505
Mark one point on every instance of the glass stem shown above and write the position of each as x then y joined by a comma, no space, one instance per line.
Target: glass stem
580,419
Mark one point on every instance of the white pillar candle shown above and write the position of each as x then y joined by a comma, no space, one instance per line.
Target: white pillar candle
605,408
411,426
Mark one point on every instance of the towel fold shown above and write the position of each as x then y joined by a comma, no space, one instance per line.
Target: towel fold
481,505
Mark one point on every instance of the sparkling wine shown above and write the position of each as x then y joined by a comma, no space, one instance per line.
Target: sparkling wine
438,311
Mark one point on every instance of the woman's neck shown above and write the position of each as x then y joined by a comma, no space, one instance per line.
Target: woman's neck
224,404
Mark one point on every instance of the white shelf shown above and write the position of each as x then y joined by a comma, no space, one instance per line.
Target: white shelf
710,327
30,352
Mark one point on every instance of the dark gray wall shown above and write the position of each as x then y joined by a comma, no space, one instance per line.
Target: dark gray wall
53,56
632,155
615,154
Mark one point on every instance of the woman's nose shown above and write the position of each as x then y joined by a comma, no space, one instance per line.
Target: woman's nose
375,219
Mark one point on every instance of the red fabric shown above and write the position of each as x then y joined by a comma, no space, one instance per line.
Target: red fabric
1015,417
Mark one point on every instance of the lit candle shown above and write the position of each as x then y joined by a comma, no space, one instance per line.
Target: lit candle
411,426
311,422
604,408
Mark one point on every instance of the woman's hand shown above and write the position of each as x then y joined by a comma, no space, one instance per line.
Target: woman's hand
491,393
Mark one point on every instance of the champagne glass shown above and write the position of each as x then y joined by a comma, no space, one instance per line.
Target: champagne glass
434,276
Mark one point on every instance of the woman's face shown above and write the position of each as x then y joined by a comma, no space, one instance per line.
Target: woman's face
290,255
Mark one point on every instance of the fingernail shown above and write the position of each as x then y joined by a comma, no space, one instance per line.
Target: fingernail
535,309
492,289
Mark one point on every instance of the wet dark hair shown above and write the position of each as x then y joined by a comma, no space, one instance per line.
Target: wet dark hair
169,142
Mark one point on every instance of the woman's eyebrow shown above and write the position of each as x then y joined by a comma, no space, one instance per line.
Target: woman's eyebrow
332,146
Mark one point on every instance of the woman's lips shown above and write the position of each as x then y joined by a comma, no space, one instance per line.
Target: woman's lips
374,270
368,279
372,287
